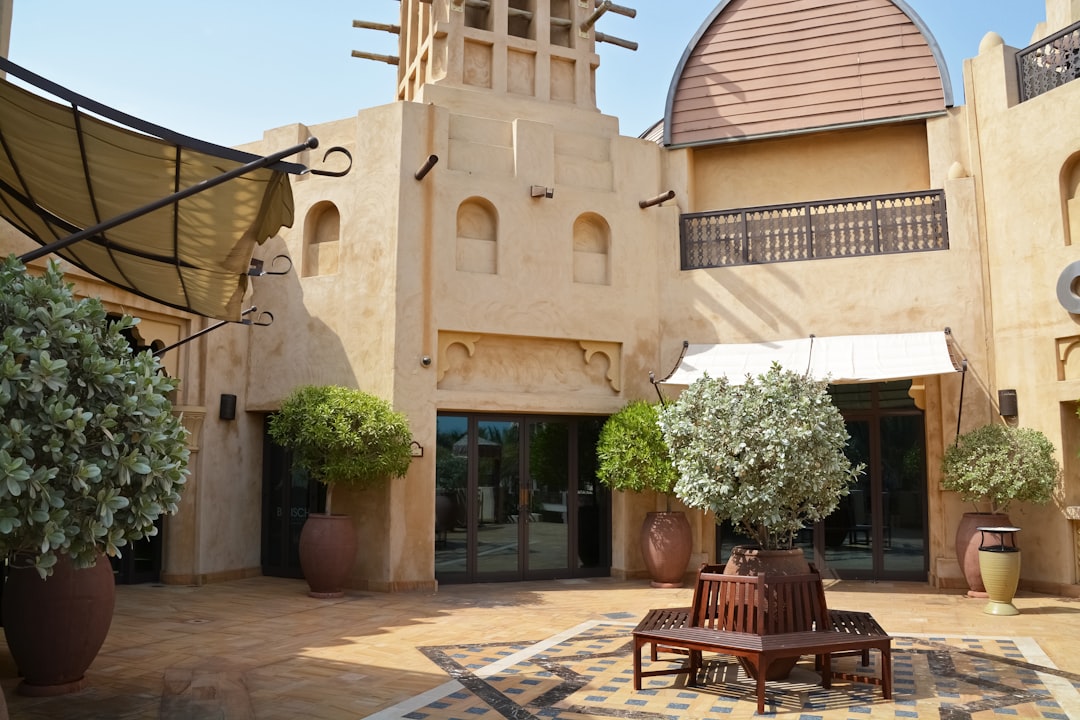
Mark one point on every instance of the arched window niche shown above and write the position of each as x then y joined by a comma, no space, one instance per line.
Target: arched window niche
322,237
592,243
477,237
1070,199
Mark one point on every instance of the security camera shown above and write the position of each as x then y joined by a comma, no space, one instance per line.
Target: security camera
425,361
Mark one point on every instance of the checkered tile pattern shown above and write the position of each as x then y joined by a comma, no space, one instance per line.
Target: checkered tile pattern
586,673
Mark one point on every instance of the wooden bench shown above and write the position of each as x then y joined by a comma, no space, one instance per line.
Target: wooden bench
760,620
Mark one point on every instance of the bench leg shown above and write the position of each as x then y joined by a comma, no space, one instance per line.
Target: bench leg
825,662
886,672
763,669
637,663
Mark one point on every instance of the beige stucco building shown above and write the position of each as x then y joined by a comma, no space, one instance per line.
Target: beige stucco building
530,282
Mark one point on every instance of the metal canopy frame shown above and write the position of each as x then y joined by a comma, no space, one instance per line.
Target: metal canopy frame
79,105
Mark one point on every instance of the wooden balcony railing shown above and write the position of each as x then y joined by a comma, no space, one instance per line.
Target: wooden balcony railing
872,225
1049,63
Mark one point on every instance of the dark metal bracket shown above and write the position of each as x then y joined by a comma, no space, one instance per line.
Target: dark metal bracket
256,269
262,320
334,173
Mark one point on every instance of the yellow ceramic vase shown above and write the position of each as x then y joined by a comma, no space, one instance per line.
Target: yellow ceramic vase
1000,574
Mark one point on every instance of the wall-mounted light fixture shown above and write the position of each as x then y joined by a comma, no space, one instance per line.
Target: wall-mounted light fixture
227,407
1007,403
541,191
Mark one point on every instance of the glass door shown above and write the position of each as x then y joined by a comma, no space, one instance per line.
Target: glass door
288,497
517,498
879,531
498,502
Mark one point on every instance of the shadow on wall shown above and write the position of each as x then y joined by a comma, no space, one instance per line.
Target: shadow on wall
316,320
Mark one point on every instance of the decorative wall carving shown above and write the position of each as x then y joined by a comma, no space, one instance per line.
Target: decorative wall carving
509,363
1068,360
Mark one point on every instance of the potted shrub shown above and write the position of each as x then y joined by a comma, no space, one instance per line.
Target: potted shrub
340,436
632,456
91,455
766,455
991,466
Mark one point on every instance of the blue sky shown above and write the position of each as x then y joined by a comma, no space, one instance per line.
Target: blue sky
225,70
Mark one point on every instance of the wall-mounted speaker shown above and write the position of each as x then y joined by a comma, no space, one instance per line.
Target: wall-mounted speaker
227,409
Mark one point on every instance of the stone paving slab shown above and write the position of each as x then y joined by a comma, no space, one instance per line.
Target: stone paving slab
261,648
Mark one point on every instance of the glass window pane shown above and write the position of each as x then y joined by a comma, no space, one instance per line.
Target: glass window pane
549,473
451,487
593,499
498,497
903,493
849,530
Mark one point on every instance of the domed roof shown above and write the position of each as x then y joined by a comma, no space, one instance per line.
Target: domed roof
759,68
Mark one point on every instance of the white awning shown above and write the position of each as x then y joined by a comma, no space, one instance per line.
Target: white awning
840,359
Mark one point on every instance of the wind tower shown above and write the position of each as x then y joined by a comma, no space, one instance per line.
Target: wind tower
524,49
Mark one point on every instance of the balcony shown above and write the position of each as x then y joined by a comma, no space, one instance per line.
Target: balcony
1050,63
850,227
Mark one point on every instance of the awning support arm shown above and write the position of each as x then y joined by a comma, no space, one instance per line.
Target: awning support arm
960,408
260,322
256,164
685,347
656,383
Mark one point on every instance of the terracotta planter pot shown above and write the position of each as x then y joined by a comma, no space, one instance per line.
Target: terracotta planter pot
55,627
327,553
967,547
666,544
751,560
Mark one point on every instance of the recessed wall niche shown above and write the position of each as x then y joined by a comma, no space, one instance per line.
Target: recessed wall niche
1070,199
477,237
519,19
322,237
562,20
592,243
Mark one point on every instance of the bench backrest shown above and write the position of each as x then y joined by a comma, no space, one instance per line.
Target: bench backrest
759,604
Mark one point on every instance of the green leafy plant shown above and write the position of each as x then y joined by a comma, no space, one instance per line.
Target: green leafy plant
997,464
343,436
767,455
632,453
90,451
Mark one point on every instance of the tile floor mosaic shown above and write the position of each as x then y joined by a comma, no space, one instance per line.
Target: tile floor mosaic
585,672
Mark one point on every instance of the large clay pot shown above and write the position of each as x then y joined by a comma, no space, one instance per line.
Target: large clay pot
752,560
327,553
967,547
666,544
55,627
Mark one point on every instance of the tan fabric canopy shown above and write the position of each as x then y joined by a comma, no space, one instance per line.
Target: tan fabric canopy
63,170
840,359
